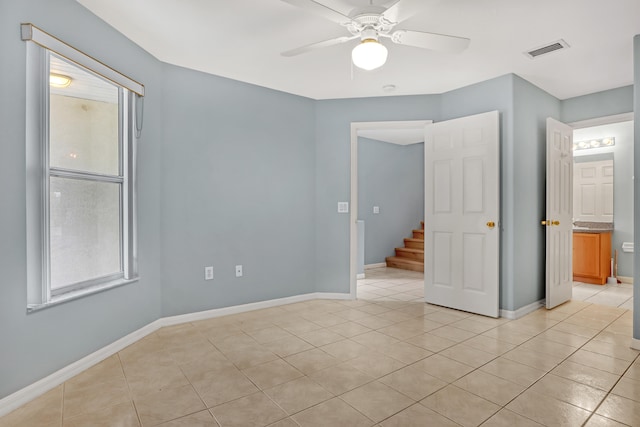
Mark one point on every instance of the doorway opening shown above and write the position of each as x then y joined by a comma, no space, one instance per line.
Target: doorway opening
603,200
397,132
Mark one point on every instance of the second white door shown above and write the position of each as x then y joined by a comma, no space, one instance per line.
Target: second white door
559,220
462,206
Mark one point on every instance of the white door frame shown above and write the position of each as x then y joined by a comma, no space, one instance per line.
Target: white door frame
353,216
600,121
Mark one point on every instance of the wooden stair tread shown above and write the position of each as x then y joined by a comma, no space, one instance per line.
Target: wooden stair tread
404,260
419,231
414,254
414,243
404,263
414,250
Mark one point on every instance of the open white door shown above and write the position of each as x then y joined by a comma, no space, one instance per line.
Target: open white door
559,220
462,205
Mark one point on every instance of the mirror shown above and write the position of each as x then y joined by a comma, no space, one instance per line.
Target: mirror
593,189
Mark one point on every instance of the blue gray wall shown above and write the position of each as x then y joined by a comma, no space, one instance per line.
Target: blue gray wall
238,188
35,345
390,176
333,165
532,107
599,104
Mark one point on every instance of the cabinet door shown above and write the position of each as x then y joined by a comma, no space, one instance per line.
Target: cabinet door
586,254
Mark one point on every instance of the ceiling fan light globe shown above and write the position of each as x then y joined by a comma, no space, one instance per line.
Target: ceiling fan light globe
369,55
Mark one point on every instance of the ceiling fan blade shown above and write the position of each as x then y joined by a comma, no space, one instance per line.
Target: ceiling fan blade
318,45
431,41
321,10
403,9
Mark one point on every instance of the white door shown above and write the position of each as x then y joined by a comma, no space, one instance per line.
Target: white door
593,191
559,220
462,204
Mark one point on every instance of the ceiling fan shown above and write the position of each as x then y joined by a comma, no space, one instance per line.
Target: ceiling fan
371,23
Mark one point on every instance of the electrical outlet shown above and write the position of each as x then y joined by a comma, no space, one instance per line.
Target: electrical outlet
376,209
238,271
208,273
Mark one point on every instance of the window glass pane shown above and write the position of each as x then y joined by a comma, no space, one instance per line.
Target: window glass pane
84,230
83,120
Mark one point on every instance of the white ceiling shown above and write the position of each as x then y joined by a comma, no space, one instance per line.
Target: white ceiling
243,39
84,85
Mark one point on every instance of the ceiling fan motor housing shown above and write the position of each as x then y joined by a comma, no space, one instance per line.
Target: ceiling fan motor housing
369,21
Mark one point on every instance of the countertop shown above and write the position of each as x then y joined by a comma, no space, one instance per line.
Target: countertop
592,227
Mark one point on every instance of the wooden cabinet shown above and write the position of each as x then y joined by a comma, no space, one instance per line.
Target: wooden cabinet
591,257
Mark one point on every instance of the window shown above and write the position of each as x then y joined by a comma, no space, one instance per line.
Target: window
81,135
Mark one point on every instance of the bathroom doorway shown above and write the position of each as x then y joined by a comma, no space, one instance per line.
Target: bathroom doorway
603,204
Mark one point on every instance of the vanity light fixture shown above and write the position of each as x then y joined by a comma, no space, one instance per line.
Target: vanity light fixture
594,143
59,80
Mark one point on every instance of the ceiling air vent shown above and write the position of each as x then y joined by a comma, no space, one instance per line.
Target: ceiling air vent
552,47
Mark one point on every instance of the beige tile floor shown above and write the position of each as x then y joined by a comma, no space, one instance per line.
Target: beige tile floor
616,295
386,359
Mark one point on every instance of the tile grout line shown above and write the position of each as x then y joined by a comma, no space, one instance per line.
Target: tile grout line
611,392
563,360
549,371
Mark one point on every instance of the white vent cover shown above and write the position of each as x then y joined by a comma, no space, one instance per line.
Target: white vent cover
548,48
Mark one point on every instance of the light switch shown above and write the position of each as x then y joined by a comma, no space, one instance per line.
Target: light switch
376,209
343,207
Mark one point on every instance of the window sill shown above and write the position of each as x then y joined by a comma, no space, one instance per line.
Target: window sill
80,293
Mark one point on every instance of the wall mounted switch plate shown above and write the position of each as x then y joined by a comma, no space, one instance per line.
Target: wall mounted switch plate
238,271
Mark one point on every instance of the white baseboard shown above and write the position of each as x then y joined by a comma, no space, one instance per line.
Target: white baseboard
332,295
242,308
635,344
360,276
522,311
30,392
235,309
625,279
27,394
377,265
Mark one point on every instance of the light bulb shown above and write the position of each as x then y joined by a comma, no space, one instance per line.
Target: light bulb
59,80
369,54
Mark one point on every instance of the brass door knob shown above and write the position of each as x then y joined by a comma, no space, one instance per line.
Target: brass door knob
555,222
491,224
545,222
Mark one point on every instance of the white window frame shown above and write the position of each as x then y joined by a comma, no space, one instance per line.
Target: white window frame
39,294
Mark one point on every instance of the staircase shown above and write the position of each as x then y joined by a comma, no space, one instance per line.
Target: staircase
411,257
